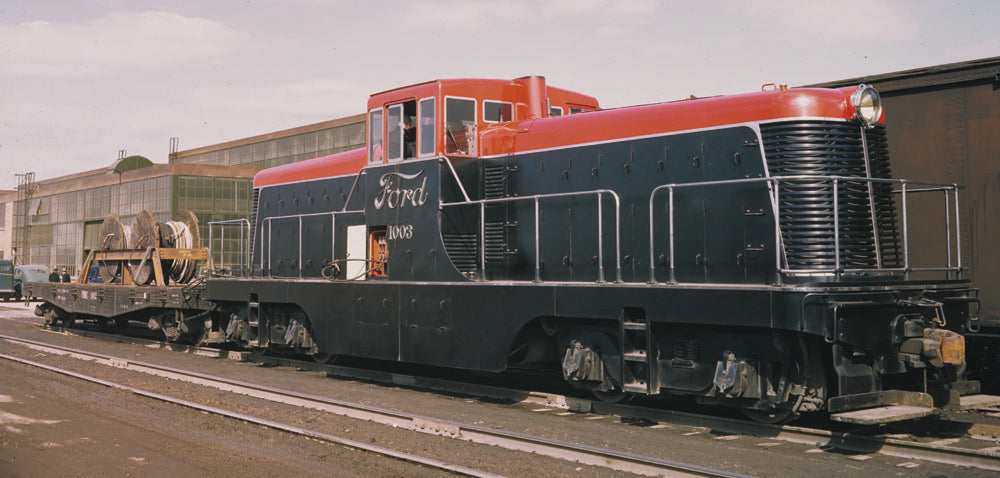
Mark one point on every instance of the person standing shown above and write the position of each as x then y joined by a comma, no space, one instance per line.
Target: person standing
54,275
64,277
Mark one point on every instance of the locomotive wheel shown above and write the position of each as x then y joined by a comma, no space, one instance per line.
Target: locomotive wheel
324,358
771,417
612,396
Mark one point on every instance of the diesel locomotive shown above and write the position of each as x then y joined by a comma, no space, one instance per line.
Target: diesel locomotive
747,250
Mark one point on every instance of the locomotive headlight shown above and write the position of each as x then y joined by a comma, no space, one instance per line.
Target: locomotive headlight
867,104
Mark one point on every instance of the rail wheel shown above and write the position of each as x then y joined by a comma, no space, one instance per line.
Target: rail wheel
50,317
771,417
324,358
68,320
122,323
612,396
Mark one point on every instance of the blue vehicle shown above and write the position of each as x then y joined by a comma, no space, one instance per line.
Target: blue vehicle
27,273
6,279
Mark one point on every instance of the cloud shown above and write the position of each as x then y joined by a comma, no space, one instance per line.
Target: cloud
830,22
324,97
114,44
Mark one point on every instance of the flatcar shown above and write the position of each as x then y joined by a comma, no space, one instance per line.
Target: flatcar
748,251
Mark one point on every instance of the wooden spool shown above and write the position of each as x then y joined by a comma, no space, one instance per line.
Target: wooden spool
187,236
114,237
145,233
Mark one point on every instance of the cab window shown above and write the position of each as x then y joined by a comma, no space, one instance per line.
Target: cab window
555,111
375,136
497,112
426,126
401,131
460,126
394,133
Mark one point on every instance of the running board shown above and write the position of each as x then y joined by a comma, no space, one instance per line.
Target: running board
978,401
880,407
879,415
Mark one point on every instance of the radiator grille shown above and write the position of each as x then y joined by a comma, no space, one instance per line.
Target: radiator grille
827,148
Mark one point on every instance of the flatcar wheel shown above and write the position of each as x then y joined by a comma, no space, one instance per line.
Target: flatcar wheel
121,323
324,358
771,417
612,396
50,318
68,320
101,322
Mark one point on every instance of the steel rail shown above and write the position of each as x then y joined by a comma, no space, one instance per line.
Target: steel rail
387,452
584,454
945,454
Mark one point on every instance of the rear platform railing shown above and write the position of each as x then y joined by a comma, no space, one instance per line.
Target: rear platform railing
223,267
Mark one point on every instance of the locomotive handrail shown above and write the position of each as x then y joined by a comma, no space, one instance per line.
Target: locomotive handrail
537,198
244,253
333,236
774,184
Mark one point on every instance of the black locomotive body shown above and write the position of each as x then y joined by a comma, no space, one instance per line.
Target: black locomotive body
749,251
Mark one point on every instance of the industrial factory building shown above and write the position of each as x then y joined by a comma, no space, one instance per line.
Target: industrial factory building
56,222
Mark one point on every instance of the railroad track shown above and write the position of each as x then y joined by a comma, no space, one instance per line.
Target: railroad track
902,444
588,455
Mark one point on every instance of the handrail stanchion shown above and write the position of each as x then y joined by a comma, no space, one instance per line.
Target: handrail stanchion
538,240
958,232
947,226
652,262
600,237
906,238
209,240
778,244
482,240
670,216
836,227
300,247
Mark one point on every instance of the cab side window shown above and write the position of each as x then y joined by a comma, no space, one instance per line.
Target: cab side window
401,131
497,112
426,126
460,126
375,136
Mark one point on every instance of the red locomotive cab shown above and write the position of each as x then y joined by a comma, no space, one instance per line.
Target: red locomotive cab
449,117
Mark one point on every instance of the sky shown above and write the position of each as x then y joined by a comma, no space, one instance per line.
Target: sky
82,80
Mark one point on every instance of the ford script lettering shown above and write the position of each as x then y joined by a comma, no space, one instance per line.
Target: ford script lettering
393,193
